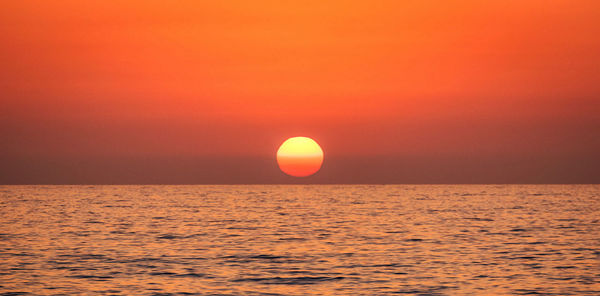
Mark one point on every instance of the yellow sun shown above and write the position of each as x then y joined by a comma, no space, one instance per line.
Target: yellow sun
300,156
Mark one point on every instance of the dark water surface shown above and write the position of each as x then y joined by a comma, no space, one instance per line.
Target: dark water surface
300,240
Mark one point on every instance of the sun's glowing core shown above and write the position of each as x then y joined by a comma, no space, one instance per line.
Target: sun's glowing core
300,156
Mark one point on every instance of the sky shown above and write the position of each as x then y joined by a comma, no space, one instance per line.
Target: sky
196,92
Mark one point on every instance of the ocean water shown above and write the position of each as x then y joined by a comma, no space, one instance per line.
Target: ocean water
300,240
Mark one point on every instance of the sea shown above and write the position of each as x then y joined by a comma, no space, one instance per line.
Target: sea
300,240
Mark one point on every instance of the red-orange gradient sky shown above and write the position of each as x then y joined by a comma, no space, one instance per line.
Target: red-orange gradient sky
394,91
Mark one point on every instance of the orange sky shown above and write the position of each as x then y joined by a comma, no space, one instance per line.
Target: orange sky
416,84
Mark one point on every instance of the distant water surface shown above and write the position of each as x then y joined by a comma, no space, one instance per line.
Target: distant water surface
300,240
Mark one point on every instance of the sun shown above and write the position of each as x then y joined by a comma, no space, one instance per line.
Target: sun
300,156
